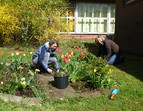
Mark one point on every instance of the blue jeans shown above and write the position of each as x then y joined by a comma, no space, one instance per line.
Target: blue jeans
47,60
114,59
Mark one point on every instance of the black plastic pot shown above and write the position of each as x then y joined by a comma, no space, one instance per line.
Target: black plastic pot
61,82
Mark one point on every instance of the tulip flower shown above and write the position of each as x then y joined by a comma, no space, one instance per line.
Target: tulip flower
62,56
1,53
12,54
31,52
90,50
1,82
82,56
71,53
67,56
74,46
65,60
23,83
79,48
23,79
18,51
58,50
94,70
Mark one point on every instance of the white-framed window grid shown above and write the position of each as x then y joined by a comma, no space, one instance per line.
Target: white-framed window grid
88,28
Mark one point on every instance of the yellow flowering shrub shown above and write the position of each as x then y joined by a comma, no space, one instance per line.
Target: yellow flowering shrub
24,20
8,23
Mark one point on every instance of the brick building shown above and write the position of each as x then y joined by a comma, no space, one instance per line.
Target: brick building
129,25
91,17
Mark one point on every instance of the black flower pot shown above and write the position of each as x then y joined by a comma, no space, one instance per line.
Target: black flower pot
61,82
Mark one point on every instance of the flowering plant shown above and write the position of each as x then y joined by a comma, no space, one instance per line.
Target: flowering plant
86,69
60,74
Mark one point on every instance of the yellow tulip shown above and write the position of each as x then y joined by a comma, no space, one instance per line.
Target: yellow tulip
1,83
23,83
95,70
110,71
23,79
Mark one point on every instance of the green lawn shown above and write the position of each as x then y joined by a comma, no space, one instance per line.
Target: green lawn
129,77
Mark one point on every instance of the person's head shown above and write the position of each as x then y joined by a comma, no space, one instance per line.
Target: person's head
53,44
99,39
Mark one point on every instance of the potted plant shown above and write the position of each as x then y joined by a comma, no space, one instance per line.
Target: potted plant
61,79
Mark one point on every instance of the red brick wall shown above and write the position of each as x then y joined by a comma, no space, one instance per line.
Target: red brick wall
81,37
129,26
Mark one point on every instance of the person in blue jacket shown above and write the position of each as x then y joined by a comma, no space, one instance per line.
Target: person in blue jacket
45,55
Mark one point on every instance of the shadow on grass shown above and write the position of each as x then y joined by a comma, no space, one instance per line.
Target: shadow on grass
133,64
92,48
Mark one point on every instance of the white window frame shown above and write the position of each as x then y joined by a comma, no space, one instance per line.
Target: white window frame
92,18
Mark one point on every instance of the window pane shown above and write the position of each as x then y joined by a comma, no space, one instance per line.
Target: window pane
103,26
89,8
66,25
112,25
71,12
112,10
70,24
96,24
93,17
80,25
104,10
96,10
81,10
88,27
63,22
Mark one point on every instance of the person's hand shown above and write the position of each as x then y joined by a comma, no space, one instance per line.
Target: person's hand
57,70
50,70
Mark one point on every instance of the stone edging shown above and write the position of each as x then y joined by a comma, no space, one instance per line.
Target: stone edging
19,99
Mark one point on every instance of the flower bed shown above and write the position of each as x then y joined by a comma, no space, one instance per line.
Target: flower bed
86,71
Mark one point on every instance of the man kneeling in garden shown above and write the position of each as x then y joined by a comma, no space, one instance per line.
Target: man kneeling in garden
46,55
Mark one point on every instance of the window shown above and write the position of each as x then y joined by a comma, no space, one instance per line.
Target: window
92,18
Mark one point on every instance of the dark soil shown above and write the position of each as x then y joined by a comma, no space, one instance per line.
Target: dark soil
47,83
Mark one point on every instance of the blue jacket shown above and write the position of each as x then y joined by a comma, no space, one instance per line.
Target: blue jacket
40,53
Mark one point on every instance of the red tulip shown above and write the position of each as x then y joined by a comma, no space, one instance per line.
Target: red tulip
67,56
79,48
58,50
74,46
65,60
82,56
90,50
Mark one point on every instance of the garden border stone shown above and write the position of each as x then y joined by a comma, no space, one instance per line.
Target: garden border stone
18,99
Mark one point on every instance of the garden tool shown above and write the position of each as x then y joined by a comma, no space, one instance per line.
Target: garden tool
114,92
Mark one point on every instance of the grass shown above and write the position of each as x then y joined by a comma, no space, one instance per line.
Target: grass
129,77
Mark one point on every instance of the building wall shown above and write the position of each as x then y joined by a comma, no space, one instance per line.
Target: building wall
129,26
85,37
80,37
